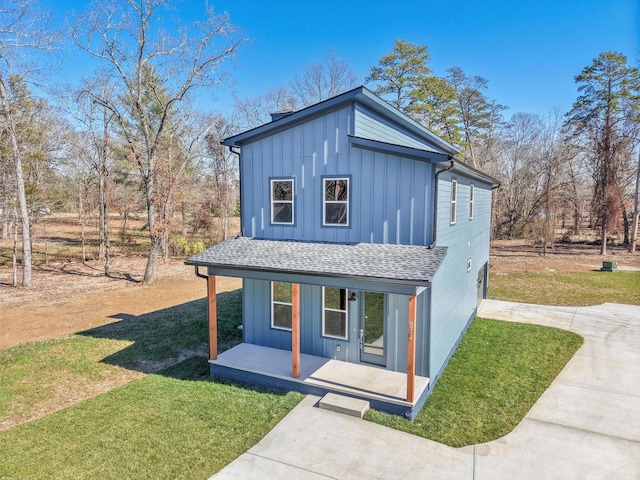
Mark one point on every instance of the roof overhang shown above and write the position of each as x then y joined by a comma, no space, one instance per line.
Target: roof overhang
400,150
361,95
403,269
474,173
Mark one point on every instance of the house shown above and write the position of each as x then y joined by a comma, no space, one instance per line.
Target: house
364,253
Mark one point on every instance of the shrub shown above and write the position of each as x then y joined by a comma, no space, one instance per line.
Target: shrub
180,246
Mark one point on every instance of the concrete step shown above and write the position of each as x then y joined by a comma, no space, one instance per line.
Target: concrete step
342,404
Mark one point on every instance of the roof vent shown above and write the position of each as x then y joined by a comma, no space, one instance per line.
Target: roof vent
278,115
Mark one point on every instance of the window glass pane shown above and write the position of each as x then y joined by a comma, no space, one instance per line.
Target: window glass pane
282,190
282,315
282,212
281,292
374,316
335,323
335,213
335,298
336,189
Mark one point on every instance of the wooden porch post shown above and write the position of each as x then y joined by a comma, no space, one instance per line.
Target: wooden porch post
213,318
295,330
411,349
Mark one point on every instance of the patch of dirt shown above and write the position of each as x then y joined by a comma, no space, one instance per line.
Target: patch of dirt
71,297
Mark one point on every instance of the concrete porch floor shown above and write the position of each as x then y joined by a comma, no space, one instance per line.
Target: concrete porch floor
318,375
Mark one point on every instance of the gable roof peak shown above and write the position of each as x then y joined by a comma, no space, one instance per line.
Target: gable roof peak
361,95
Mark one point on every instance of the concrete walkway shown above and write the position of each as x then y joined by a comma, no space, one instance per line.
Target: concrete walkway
585,426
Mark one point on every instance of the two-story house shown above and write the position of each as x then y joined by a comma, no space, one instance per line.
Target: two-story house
364,253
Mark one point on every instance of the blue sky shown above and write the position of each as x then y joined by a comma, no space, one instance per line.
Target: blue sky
529,51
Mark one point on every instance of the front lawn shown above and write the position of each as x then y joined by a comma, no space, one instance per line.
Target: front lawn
95,414
496,375
178,424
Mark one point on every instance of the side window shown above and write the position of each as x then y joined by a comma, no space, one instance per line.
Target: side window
282,201
281,309
334,312
471,194
454,200
335,202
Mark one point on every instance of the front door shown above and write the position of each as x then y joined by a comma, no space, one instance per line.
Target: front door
372,345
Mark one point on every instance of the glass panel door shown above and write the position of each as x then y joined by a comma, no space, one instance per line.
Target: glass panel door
372,346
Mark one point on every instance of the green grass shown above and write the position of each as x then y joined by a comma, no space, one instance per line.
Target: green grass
162,336
176,425
37,377
40,377
575,288
496,375
180,424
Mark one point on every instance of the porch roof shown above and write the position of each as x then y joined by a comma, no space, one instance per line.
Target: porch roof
413,265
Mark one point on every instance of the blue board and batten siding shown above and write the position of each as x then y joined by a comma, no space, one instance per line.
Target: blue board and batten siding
390,198
372,126
454,288
258,330
391,201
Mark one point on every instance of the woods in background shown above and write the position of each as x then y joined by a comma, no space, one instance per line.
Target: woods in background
131,137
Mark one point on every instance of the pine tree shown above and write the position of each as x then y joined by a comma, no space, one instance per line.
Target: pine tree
401,72
601,120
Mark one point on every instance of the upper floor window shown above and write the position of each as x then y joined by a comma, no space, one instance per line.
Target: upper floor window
282,201
454,200
471,194
334,312
335,203
281,307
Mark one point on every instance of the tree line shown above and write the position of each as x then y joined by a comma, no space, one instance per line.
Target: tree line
131,136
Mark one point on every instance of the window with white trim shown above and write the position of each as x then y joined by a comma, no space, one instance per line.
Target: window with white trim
334,312
471,195
454,200
335,202
281,307
282,201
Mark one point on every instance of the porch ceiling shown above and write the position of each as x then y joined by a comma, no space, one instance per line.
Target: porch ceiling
412,265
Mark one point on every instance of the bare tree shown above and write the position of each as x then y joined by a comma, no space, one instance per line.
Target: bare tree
22,29
224,172
92,151
478,115
636,210
553,171
156,73
254,111
518,173
324,79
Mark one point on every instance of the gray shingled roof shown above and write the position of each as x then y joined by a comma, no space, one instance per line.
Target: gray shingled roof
408,264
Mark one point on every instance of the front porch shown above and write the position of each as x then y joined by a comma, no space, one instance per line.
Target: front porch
270,367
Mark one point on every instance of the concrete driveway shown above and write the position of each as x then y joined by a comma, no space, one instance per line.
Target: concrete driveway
585,426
